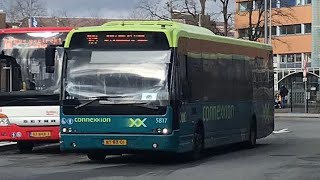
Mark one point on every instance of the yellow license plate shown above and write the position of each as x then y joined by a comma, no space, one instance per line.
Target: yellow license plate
115,142
40,134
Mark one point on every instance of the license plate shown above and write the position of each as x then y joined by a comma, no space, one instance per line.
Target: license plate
115,142
40,134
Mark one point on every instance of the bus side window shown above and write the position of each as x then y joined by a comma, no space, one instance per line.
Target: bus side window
185,89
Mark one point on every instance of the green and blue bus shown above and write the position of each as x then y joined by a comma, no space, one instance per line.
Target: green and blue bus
162,86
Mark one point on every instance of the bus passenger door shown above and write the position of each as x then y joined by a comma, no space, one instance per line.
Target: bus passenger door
185,119
10,74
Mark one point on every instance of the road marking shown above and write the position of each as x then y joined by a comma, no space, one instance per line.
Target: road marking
281,131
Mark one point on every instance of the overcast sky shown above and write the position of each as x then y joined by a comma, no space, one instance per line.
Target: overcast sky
85,8
107,8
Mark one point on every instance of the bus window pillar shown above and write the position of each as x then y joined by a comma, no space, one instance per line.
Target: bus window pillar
10,76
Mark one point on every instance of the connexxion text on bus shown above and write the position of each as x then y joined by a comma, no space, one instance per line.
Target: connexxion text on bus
162,86
29,91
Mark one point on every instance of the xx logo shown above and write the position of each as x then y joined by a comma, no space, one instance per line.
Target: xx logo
137,122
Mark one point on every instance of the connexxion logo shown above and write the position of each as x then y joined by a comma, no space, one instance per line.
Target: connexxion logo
85,120
136,123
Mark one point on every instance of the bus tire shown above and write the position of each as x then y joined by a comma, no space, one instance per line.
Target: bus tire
25,147
198,142
252,142
97,156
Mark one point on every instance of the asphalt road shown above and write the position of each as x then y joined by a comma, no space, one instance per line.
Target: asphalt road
291,153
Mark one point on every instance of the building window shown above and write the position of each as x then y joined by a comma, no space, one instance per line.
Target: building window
274,3
308,1
299,2
290,58
259,31
259,4
297,29
307,28
290,29
243,32
275,58
245,6
287,3
283,30
283,58
273,30
307,57
298,58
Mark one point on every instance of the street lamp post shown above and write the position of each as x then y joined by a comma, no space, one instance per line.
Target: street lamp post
30,13
270,21
265,22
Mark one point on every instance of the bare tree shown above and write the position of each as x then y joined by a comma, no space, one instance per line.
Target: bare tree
255,14
152,9
61,17
156,10
172,9
226,16
18,10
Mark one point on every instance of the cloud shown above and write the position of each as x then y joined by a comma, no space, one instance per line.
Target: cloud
117,8
101,8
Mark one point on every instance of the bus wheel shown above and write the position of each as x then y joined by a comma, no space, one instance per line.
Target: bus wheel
97,156
252,142
25,147
198,142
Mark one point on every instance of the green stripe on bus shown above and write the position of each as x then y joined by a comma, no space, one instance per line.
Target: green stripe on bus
218,56
173,31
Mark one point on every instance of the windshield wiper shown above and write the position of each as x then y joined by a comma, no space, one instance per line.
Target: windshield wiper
97,99
142,104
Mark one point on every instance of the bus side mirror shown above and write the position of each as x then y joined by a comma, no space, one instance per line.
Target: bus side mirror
50,53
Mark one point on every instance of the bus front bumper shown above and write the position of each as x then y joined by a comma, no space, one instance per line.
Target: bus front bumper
16,133
134,142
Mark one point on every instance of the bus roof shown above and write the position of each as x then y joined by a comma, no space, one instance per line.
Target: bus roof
172,29
34,29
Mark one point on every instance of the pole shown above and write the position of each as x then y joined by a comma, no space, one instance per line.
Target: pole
265,22
291,94
270,22
200,19
11,80
30,13
306,96
305,79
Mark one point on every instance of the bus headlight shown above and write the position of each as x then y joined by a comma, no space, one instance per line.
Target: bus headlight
161,131
64,130
165,131
4,120
67,130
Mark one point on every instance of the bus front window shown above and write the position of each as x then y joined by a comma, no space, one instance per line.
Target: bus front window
28,71
32,68
137,76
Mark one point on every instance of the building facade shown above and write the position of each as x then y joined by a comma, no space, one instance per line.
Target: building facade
295,47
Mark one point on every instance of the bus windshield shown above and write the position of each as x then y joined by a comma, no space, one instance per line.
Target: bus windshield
135,76
27,71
